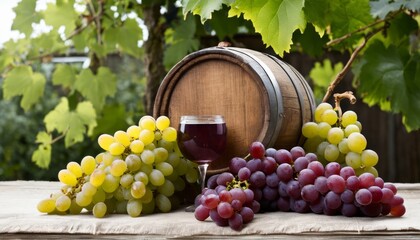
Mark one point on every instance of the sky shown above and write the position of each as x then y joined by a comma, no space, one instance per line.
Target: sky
7,16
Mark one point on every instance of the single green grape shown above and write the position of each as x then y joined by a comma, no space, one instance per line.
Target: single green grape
169,134
133,132
110,183
63,203
46,205
97,178
141,176
82,199
89,189
134,207
148,196
331,152
343,147
88,164
351,128
67,177
335,135
353,160
348,117
323,129
105,140
126,180
165,168
147,122
320,109
163,203
310,130
356,142
329,116
99,210
148,157
161,154
116,148
156,177
369,158
167,188
99,196
118,167
162,122
138,189
146,136
75,168
133,162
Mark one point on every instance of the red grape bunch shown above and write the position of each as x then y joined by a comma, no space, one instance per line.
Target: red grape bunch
230,203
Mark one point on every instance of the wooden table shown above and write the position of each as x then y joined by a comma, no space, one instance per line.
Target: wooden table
19,219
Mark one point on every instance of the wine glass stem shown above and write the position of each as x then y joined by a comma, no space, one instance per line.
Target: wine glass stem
202,168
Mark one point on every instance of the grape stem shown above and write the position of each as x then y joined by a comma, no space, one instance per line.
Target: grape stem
340,96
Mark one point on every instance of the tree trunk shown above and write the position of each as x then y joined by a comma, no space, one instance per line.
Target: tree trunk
153,60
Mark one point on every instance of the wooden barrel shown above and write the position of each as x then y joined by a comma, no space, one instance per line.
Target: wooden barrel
261,97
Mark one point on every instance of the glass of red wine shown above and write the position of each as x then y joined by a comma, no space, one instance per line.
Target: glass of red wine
202,139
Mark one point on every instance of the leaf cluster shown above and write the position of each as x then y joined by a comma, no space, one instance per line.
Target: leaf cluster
382,36
82,91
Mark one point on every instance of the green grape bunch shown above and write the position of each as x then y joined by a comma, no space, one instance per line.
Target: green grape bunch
336,137
139,172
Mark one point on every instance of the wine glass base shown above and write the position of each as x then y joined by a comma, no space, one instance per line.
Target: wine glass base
190,208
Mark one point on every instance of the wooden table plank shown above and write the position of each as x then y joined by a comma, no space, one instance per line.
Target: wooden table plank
20,219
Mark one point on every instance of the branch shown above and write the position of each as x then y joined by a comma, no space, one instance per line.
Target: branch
98,22
59,137
348,35
346,68
97,17
80,29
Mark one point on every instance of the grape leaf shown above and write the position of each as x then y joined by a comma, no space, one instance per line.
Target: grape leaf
45,44
181,42
74,124
322,75
204,8
124,37
390,78
349,15
63,75
275,20
25,16
42,156
96,87
113,118
228,27
342,16
413,5
21,80
382,8
62,13
14,51
310,41
317,12
400,29
82,39
43,138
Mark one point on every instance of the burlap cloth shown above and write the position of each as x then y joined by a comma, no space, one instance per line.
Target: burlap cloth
18,214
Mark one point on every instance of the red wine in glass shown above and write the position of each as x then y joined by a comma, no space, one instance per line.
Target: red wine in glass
202,139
